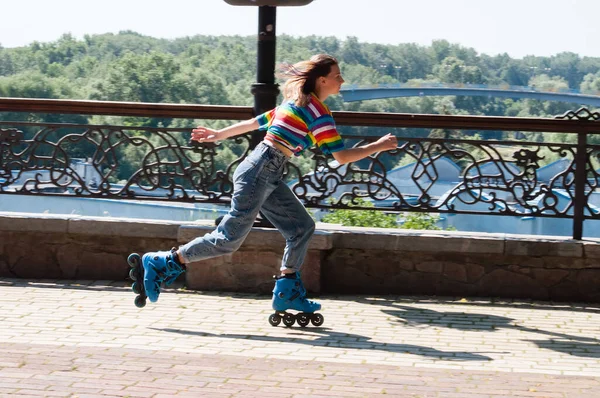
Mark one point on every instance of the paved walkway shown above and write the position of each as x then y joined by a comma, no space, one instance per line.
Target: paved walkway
88,339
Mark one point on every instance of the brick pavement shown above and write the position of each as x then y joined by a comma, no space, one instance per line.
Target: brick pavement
87,339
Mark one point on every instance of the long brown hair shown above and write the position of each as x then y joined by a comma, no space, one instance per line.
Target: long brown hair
301,77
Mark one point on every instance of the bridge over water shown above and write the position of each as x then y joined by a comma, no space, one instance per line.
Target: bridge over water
352,93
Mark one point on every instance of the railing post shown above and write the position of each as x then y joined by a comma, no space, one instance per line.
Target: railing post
580,181
265,90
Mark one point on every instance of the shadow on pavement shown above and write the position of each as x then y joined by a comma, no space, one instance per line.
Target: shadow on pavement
586,350
99,285
561,342
333,339
398,307
477,302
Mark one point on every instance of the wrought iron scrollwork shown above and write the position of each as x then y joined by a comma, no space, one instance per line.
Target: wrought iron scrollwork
592,163
115,162
447,176
580,114
9,138
339,186
430,175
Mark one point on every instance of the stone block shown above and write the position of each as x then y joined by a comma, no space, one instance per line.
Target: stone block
419,283
449,244
566,263
567,290
435,267
417,241
37,223
125,228
26,257
359,280
311,271
365,241
591,249
269,237
549,277
588,281
456,272
538,247
474,271
78,261
249,269
503,283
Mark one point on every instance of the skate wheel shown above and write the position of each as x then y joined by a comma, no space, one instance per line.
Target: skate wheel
317,319
134,274
303,319
140,301
134,259
275,319
136,288
289,319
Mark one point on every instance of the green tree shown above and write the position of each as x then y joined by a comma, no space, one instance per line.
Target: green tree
566,65
6,63
145,78
361,218
352,53
420,221
591,83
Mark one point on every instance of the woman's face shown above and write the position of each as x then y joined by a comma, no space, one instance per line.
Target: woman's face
332,83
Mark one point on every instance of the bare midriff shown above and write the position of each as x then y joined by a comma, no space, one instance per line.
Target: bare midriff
278,146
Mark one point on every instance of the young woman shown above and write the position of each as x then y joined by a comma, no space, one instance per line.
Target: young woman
300,122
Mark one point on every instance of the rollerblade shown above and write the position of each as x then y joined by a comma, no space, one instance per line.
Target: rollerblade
289,293
149,271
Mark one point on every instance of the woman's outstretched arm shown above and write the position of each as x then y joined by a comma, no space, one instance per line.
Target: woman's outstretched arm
205,134
385,143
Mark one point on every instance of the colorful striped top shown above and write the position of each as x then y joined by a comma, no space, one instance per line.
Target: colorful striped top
298,128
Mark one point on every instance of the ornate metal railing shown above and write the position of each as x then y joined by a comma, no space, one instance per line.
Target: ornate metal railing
442,175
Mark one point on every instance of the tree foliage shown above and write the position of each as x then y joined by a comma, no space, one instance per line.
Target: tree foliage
361,218
220,70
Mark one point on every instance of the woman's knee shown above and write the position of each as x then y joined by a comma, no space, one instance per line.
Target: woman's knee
308,226
227,247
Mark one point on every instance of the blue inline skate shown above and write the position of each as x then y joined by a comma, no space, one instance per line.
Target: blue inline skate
150,271
289,293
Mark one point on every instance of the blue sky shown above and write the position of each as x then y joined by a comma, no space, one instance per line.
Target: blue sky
517,27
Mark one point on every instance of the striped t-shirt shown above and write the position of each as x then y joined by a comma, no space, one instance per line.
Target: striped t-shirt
298,128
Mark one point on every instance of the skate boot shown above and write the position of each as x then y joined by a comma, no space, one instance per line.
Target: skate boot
289,293
150,271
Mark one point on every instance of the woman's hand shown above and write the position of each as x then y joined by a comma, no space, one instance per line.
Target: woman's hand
387,142
204,134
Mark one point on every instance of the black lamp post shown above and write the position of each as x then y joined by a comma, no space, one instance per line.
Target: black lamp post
265,90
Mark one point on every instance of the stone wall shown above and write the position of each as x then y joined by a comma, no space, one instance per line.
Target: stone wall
340,260
463,264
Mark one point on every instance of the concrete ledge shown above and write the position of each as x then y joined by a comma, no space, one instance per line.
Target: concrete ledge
259,237
125,228
339,260
542,246
31,222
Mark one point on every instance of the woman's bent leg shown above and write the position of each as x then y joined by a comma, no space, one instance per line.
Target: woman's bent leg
250,190
287,213
290,217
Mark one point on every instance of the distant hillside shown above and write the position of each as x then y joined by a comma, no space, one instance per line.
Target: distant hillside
219,70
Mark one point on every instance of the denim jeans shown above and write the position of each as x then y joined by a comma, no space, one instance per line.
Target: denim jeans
258,186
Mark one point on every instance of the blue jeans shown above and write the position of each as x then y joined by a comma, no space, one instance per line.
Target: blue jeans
258,186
